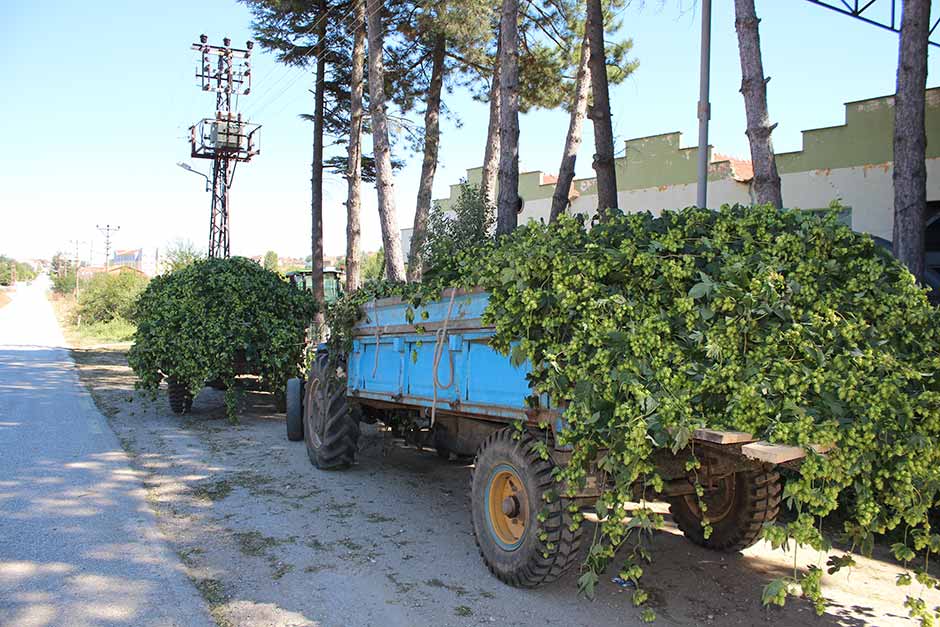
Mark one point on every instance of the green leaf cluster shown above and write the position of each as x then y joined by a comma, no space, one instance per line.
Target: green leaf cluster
215,317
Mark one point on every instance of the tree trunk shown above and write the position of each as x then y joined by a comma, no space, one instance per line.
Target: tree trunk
754,88
384,184
432,136
573,140
354,152
491,153
316,183
604,165
910,138
507,205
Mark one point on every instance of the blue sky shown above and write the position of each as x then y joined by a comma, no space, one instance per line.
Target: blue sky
98,96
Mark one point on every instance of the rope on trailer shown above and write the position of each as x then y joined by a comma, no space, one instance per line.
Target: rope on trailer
378,335
439,345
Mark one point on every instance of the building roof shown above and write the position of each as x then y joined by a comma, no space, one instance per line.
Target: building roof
130,254
742,170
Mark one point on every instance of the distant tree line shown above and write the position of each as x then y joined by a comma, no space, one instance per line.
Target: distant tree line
12,270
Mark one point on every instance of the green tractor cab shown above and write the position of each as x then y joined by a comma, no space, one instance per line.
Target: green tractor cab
332,282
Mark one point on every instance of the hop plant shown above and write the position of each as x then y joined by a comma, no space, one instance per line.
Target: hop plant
194,324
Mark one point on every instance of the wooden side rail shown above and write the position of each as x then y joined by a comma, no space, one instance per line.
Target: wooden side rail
758,450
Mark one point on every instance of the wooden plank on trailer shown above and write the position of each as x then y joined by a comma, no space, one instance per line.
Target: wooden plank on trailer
779,453
723,437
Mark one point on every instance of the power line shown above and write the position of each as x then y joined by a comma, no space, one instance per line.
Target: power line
106,230
348,20
297,64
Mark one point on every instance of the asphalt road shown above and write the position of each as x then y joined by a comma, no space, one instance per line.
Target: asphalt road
79,544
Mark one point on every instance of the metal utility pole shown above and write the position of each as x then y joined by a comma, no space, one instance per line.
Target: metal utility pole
704,107
225,139
77,266
106,230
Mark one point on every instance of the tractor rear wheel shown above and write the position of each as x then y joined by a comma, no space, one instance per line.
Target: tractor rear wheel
294,406
737,510
511,485
181,399
330,428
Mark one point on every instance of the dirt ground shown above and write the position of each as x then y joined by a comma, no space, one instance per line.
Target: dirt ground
270,540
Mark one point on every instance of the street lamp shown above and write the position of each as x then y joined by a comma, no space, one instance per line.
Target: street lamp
189,168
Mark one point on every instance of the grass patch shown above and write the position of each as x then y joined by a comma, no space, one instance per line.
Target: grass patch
111,332
463,610
315,544
212,591
401,587
255,543
437,583
212,490
279,569
349,544
313,569
188,556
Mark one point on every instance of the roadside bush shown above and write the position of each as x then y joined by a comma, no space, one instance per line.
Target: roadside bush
195,324
110,296
63,274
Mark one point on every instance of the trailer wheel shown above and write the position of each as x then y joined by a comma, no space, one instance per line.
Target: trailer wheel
330,429
510,486
294,401
181,399
737,510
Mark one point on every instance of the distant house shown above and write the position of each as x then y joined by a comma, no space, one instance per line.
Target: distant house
146,261
130,258
86,272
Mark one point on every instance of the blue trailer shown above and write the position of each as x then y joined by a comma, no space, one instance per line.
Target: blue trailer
433,378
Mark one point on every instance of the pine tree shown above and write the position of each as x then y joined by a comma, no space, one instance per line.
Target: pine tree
385,185
754,89
618,68
354,149
910,138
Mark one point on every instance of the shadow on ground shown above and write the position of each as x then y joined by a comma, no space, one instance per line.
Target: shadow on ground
271,540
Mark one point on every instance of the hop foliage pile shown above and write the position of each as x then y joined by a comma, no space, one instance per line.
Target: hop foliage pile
195,324
786,325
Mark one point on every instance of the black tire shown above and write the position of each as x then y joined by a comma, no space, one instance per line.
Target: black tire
737,511
528,561
181,399
330,429
294,401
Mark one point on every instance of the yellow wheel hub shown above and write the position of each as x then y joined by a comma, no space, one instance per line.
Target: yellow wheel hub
508,507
